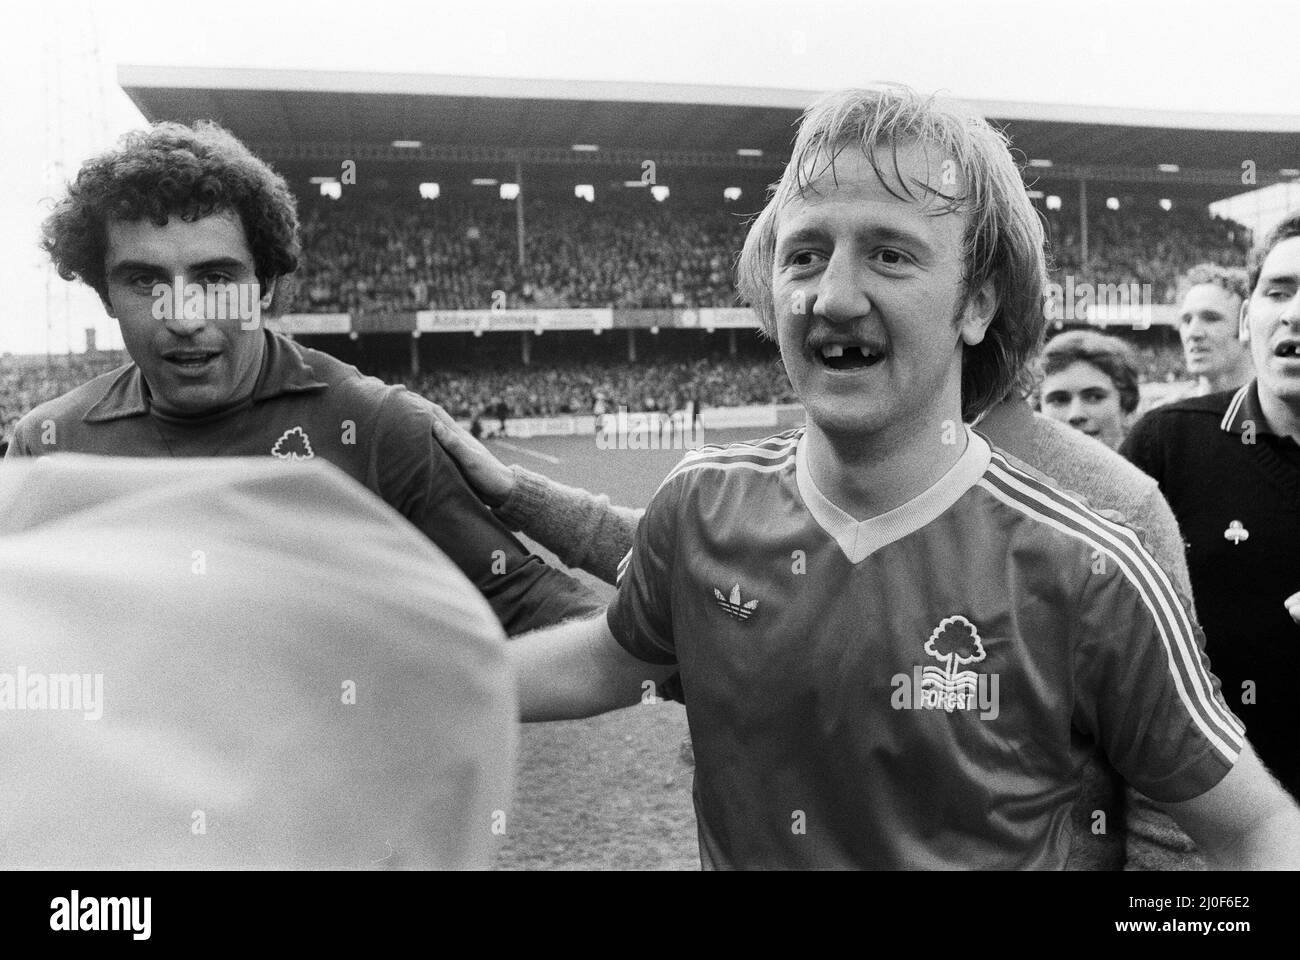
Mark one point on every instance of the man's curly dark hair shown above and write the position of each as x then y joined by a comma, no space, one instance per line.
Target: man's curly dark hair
172,170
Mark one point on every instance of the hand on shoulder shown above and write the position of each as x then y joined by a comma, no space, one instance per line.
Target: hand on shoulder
491,479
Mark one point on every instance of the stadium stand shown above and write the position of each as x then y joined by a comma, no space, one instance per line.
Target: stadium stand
454,255
667,383
24,385
577,388
377,252
1144,244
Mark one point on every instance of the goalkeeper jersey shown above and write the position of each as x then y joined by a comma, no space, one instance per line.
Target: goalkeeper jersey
919,689
307,406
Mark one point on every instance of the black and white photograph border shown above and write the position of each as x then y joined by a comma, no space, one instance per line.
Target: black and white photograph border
604,436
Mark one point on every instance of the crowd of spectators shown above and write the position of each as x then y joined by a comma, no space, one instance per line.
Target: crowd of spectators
578,387
451,255
1143,245
456,256
1160,364
584,388
26,384
604,387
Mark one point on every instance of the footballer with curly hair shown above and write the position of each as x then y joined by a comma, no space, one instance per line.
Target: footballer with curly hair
177,208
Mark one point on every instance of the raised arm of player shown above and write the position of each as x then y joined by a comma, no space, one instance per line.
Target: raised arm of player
578,669
1244,822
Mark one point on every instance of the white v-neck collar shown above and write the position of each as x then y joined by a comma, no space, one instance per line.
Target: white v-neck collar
860,539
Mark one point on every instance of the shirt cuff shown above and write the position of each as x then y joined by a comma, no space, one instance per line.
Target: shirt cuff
525,499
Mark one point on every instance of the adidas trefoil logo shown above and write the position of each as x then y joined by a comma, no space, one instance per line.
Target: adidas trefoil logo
732,604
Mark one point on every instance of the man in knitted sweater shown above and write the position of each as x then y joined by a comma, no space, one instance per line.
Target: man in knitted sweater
588,532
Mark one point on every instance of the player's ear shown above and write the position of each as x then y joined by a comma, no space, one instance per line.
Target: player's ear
981,306
269,288
1243,321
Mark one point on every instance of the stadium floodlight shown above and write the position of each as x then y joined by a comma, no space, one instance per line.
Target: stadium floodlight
659,192
430,191
408,144
1112,203
731,193
749,152
1167,167
319,180
1289,172
1035,194
585,191
484,182
509,191
1166,204
584,148
1040,163
333,189
636,183
1053,202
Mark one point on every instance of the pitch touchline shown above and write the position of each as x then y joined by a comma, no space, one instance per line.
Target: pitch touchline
532,453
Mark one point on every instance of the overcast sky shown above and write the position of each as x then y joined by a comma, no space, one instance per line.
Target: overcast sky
59,101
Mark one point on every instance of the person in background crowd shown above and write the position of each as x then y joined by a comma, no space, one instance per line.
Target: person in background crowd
1090,381
1208,323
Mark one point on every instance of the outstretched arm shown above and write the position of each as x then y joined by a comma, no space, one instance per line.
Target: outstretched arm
1246,821
578,669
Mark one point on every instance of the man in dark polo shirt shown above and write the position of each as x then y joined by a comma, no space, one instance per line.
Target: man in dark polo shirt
1229,465
185,236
